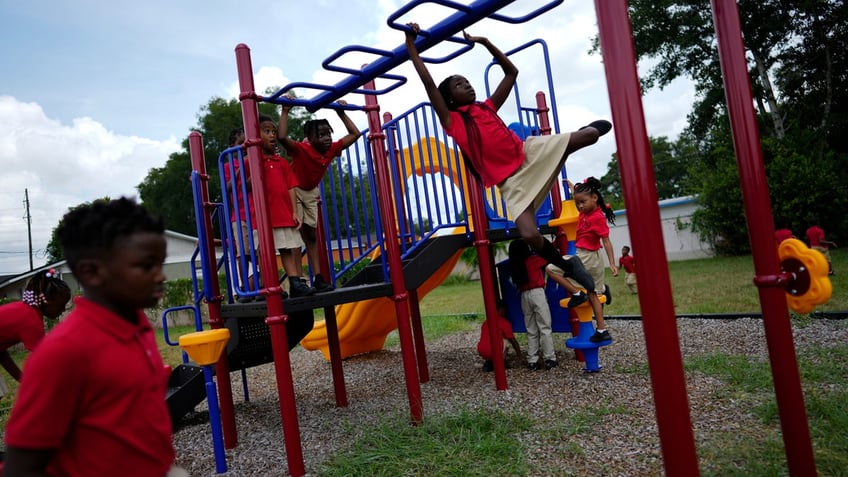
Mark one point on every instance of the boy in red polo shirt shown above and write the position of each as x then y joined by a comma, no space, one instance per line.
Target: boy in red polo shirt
628,263
280,198
815,237
310,160
92,400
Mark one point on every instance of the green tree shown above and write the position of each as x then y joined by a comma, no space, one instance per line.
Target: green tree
797,59
167,191
672,161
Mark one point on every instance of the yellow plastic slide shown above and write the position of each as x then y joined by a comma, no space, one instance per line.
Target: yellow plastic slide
364,325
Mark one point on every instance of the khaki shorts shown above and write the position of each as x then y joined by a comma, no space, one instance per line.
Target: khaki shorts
287,238
531,183
307,205
240,229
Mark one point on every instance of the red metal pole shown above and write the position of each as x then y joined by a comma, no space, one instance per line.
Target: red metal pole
640,194
418,337
222,368
276,319
484,262
378,151
778,330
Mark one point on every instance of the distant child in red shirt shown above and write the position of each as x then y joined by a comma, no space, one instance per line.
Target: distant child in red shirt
484,346
628,263
527,271
310,160
45,296
92,399
280,186
782,234
815,237
592,235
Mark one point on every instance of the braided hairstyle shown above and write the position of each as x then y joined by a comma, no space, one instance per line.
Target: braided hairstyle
593,186
310,128
46,288
91,230
472,132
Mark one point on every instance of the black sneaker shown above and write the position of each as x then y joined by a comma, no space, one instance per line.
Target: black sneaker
534,366
600,336
577,300
550,364
320,285
488,366
298,287
603,126
608,294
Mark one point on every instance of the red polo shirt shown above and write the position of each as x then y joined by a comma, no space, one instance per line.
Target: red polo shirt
628,263
498,153
591,228
20,323
278,181
484,346
239,193
815,235
535,272
94,391
309,165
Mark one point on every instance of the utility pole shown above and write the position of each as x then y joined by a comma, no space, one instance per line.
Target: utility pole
29,226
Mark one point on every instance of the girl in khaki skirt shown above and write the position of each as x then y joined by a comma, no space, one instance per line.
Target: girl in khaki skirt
524,171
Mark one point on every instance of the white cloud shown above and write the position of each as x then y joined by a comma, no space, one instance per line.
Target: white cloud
61,166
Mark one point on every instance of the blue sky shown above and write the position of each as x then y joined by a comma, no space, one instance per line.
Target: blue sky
94,94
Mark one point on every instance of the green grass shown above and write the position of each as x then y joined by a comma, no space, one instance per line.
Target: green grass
468,443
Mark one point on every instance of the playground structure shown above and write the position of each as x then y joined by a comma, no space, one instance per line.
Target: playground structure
411,249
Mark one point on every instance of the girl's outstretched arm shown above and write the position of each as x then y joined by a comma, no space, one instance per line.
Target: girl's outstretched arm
510,71
429,85
353,132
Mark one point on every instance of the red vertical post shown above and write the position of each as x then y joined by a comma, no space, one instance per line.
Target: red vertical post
418,337
276,319
222,369
377,139
484,261
778,330
640,193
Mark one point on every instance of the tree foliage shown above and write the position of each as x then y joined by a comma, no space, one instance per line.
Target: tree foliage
167,191
797,61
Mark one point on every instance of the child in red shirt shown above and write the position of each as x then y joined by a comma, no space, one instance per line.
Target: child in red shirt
523,171
45,296
628,263
484,345
815,237
310,160
92,400
527,271
280,186
592,235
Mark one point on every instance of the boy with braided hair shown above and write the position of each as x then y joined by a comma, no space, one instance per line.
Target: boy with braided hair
310,160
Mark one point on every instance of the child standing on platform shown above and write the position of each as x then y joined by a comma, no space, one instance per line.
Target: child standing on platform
484,346
45,296
310,160
524,171
628,263
92,400
815,237
528,274
592,235
280,197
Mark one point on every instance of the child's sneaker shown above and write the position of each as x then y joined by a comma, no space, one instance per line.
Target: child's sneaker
608,294
534,366
550,364
320,285
577,300
298,287
600,336
488,366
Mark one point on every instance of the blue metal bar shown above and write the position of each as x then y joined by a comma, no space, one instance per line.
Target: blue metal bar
465,16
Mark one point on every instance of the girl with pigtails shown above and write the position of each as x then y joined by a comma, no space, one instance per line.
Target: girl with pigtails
592,235
45,296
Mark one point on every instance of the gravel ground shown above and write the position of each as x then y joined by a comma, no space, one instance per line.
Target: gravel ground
626,442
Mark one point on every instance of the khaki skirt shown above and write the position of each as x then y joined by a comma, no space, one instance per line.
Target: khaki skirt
530,184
